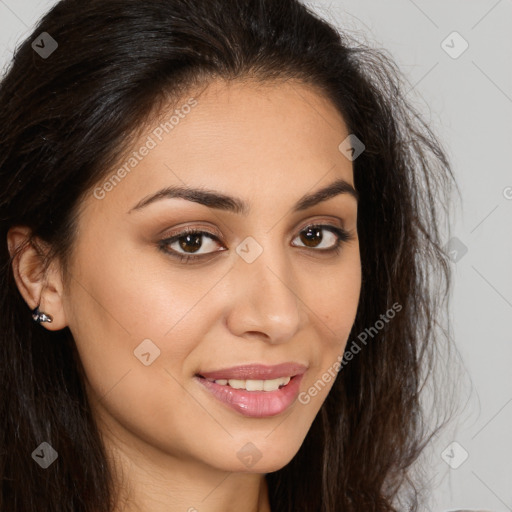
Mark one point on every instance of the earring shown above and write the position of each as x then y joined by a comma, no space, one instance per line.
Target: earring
40,317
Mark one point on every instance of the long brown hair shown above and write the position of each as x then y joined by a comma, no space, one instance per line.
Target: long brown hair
66,118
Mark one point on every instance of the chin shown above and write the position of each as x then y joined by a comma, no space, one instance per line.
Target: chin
260,455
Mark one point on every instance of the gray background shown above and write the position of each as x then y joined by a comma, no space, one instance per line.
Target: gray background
468,101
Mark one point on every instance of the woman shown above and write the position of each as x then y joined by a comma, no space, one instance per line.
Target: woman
224,217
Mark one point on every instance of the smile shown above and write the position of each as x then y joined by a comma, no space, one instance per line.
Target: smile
265,391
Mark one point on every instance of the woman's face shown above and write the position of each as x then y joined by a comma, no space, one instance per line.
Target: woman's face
264,288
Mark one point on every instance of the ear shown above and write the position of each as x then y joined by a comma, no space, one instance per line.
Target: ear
36,286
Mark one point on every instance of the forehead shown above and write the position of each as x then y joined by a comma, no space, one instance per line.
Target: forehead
244,137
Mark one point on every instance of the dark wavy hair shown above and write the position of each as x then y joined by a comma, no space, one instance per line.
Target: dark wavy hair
66,120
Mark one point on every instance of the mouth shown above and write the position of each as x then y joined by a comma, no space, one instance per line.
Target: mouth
252,385
256,391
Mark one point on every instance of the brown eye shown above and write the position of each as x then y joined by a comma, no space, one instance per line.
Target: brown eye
311,237
322,237
190,243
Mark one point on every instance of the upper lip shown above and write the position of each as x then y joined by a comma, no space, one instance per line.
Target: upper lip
256,372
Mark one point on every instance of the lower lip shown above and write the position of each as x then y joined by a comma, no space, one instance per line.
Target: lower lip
255,404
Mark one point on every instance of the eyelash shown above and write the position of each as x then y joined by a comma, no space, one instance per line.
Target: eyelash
342,234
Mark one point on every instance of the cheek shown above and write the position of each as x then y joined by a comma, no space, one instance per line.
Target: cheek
335,296
134,327
335,299
121,307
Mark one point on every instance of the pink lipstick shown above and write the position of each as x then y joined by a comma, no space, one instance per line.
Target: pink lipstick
255,390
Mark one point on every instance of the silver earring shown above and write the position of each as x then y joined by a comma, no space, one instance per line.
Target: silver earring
40,317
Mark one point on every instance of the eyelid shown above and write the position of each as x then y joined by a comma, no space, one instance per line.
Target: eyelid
181,231
321,222
178,233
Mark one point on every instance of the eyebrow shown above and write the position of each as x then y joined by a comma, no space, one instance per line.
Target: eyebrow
219,201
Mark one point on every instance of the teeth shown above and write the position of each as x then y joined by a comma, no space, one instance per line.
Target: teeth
237,384
272,385
255,385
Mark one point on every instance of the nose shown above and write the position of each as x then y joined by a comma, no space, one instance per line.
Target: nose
264,303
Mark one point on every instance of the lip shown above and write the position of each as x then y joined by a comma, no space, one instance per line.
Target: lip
254,404
256,372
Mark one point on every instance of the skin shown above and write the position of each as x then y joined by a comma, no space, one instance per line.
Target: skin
174,445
